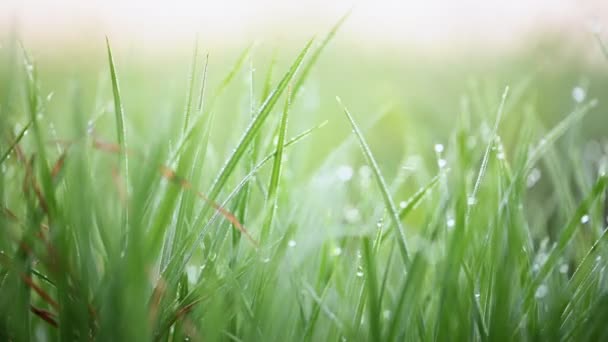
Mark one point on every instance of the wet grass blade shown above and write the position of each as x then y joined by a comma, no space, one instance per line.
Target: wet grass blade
272,198
387,197
549,139
566,235
486,155
255,126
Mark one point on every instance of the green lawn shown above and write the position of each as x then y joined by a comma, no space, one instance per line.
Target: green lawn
310,194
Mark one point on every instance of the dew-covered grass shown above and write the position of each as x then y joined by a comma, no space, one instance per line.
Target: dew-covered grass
253,203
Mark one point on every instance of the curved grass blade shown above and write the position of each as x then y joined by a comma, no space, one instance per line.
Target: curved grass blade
388,199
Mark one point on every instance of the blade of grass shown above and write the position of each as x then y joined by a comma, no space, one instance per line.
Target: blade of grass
486,155
603,46
15,142
121,134
272,198
191,81
539,150
315,55
388,199
373,305
564,239
254,127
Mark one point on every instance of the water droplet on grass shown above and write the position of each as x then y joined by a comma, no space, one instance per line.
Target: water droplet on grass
352,215
584,219
563,269
442,163
541,291
471,200
291,243
386,314
359,274
337,251
439,148
533,177
578,94
344,173
450,222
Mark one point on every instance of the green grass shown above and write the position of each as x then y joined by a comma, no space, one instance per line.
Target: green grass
229,216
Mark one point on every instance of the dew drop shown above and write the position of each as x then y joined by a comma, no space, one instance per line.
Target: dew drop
266,260
352,215
291,243
563,269
359,274
442,163
386,314
402,204
578,94
471,200
344,173
541,292
500,155
439,148
337,251
450,222
584,219
533,177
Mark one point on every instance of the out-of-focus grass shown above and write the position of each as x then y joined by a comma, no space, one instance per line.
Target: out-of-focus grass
448,224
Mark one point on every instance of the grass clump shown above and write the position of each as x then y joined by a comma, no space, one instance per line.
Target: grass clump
149,246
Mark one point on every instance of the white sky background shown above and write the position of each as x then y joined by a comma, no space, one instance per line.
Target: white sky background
422,21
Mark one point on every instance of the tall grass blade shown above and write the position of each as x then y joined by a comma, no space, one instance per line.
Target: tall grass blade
387,197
